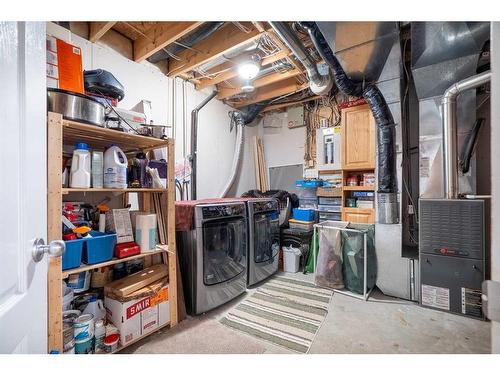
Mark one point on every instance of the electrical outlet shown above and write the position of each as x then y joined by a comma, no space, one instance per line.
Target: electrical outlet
411,210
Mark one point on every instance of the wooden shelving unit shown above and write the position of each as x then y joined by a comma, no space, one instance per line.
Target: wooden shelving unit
62,132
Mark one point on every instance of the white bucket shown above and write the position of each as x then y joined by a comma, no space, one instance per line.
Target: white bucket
291,259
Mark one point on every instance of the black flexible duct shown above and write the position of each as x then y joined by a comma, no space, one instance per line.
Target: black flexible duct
387,182
469,145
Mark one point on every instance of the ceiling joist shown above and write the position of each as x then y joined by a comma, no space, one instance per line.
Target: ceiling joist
160,36
274,90
224,93
228,38
98,29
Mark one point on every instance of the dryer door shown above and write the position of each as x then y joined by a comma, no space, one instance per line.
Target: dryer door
224,249
266,237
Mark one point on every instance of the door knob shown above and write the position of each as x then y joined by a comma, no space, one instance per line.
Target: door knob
56,248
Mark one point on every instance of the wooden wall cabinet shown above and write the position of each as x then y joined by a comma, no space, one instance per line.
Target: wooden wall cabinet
358,138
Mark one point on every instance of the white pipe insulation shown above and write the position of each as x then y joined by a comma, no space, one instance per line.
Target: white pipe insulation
240,139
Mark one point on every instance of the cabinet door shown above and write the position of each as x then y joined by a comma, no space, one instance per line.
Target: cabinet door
358,216
358,138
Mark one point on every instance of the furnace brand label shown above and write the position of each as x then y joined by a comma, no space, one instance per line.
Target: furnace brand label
435,296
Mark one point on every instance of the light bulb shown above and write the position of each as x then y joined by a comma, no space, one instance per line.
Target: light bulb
248,70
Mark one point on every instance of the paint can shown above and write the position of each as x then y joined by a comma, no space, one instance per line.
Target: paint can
84,328
68,334
85,347
69,317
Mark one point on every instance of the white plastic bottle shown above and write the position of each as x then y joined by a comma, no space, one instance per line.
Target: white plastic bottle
115,168
80,167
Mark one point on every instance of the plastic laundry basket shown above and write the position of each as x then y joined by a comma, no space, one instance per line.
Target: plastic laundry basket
291,259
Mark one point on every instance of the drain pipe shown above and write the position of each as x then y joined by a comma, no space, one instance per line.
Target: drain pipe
449,108
319,84
194,141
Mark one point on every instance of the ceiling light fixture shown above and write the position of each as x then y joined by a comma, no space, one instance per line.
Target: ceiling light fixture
249,67
247,86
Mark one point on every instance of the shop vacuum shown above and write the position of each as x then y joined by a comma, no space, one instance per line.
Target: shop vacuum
452,231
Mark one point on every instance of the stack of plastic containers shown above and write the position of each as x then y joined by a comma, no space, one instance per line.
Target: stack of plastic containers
305,216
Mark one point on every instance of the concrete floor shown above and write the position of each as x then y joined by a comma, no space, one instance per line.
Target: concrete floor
380,325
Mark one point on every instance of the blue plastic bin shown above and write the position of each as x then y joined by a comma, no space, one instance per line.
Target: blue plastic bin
308,183
304,214
72,256
99,248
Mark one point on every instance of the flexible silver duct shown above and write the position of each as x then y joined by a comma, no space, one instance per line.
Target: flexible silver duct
240,139
449,108
319,84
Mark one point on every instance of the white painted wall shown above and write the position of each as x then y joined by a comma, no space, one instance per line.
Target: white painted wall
495,170
145,81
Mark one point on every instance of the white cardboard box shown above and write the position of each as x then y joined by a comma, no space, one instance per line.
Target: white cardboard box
138,317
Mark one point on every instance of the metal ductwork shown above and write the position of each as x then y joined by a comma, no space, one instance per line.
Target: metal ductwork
444,53
449,109
320,84
387,179
194,141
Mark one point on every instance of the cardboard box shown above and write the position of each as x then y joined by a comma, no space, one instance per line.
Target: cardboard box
64,65
138,316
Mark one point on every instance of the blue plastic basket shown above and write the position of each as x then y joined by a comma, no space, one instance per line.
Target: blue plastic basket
72,256
99,248
304,214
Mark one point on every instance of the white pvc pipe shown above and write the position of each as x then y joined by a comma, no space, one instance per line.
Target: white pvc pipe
236,159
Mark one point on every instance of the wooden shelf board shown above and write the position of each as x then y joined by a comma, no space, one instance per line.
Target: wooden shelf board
356,209
66,273
121,347
128,190
359,188
358,169
100,138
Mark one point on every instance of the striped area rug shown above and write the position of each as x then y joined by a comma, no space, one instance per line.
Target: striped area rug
284,311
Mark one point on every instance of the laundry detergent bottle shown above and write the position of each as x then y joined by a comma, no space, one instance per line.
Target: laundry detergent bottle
115,168
80,167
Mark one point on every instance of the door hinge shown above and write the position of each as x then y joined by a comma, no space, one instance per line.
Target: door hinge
491,299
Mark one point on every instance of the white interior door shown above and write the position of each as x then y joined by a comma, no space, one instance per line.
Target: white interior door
23,207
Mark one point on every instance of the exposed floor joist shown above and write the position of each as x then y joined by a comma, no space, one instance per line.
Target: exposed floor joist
288,86
228,38
226,92
98,29
160,36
